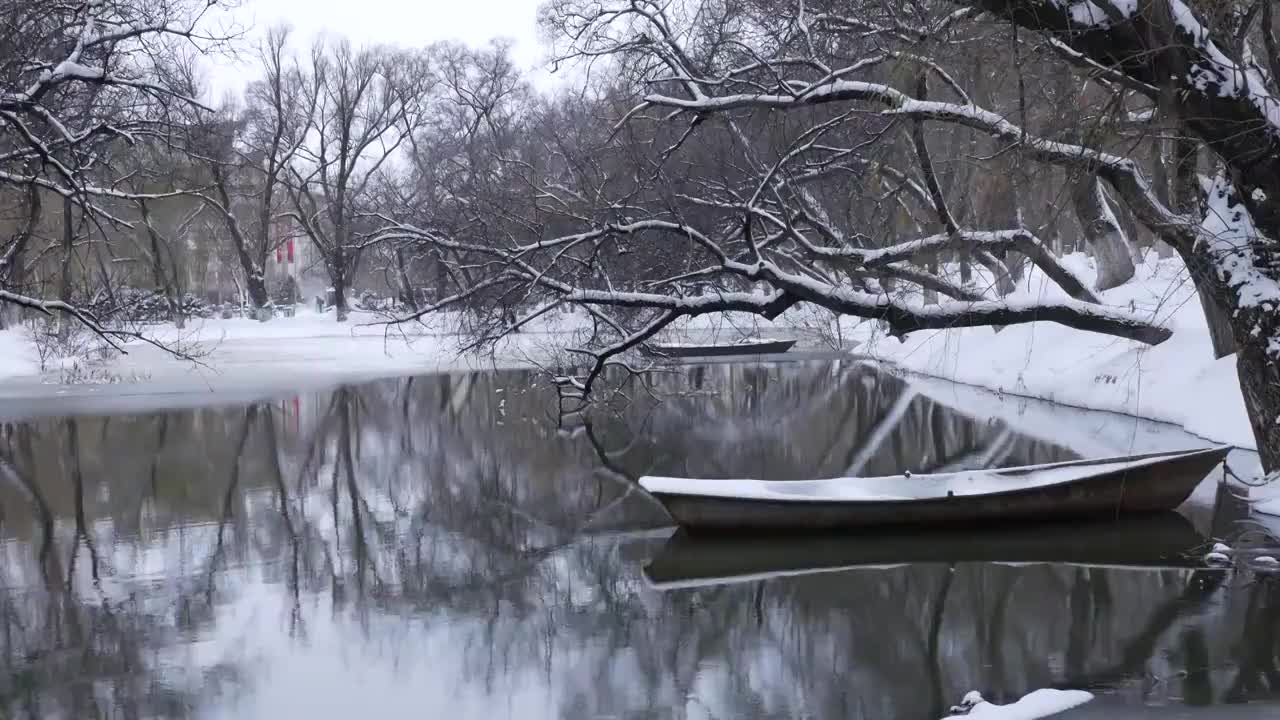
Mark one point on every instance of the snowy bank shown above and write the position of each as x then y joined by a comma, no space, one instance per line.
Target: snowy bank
1178,381
17,354
240,360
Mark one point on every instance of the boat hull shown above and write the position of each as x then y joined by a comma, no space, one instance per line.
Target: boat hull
1160,486
760,348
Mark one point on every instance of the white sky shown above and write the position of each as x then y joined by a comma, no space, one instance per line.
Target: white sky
408,23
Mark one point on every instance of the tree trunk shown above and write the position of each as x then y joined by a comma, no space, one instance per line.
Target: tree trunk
406,287
1103,232
1255,331
158,276
931,296
1016,262
13,261
1188,198
64,276
1219,321
999,272
442,277
338,275
255,282
254,274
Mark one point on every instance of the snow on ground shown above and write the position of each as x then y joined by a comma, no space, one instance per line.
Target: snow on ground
241,359
1177,381
17,356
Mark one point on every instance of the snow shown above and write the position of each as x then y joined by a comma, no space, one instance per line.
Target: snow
1086,12
1033,705
1230,230
1178,381
1269,506
745,343
1212,71
17,356
894,488
242,359
1215,68
68,68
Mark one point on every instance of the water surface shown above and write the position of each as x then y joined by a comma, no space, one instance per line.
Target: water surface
449,546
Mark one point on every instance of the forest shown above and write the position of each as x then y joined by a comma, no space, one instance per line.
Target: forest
903,162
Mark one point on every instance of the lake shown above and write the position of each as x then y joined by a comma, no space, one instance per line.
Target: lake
454,546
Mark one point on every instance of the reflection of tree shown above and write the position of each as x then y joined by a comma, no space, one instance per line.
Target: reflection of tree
819,420
61,641
403,506
1258,676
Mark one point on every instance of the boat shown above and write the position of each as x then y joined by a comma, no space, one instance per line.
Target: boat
743,347
1149,541
1105,487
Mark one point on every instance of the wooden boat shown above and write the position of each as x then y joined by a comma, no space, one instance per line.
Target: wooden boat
1080,488
1151,540
745,347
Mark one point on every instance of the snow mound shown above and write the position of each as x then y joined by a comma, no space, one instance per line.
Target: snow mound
1034,705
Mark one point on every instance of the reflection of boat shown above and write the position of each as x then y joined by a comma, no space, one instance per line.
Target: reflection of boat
1078,488
1151,540
744,347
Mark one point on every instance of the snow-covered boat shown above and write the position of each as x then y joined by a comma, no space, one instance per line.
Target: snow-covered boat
742,347
1152,540
1080,488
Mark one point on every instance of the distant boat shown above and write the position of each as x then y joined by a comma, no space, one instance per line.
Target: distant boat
743,347
1080,488
1153,540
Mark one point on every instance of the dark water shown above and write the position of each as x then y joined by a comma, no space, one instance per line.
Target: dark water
446,547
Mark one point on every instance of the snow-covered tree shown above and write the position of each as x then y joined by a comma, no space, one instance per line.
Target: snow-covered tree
79,80
831,152
1219,72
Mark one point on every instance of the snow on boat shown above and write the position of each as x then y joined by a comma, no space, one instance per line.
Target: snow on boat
1080,488
1150,541
745,347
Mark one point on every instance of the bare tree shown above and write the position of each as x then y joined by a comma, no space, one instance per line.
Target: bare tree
721,171
748,115
368,102
246,152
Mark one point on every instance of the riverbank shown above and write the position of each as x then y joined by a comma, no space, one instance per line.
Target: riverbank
238,360
1178,381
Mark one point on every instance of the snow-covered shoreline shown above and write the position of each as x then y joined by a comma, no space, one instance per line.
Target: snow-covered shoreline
1178,381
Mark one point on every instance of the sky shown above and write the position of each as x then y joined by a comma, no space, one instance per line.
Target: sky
408,23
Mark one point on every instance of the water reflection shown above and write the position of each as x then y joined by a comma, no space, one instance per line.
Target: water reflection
433,545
